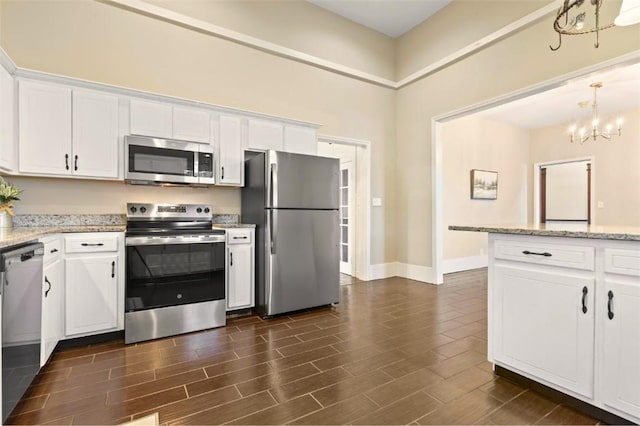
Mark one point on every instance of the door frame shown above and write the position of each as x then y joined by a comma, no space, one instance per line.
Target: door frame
536,185
362,258
438,121
352,217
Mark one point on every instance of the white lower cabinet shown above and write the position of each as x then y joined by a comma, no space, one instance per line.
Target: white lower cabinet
93,283
542,327
566,312
240,269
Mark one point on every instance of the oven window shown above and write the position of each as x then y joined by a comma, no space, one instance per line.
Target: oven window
176,274
145,159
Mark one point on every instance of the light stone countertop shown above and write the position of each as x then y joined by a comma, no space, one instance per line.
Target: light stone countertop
23,234
569,230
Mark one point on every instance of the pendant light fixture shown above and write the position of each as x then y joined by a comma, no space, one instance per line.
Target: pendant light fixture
595,131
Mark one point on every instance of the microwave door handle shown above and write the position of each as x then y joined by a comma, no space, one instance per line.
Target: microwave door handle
196,164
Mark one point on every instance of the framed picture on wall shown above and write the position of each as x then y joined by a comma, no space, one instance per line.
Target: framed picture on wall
484,185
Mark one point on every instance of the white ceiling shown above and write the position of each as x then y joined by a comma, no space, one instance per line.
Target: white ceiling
620,92
390,17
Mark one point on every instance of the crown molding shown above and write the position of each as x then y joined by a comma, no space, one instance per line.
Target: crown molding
163,14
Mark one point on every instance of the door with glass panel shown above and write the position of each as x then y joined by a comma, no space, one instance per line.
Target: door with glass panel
347,210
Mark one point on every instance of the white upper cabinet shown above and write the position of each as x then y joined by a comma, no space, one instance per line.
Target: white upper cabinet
230,150
191,124
95,134
67,132
300,140
151,119
44,128
162,120
7,121
265,135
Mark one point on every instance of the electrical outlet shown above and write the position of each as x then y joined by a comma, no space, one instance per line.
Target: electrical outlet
600,204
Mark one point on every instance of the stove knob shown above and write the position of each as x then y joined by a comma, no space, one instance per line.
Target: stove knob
199,210
206,210
143,209
133,209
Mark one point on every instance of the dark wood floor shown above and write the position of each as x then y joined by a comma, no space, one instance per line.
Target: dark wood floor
394,351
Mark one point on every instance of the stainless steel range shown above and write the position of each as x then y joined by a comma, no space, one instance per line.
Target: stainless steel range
175,271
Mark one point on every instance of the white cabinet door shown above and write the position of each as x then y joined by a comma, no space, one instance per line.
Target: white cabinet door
539,326
91,293
265,135
44,128
240,291
231,157
621,316
95,134
300,140
52,308
191,124
151,119
7,124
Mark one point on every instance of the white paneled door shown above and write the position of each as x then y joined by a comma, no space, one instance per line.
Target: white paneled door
347,214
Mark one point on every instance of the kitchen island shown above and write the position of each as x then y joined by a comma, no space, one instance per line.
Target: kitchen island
564,311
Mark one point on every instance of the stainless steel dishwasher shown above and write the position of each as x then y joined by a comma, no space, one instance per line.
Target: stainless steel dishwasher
21,286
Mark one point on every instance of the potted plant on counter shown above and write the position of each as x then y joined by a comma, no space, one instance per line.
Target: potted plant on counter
8,194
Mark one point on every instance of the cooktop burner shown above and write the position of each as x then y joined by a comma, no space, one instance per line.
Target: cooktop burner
164,219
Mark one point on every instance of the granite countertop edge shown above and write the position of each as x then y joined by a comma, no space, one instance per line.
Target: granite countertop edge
628,234
25,234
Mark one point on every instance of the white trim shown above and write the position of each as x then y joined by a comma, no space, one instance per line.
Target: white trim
436,139
495,36
458,264
157,12
383,270
536,184
366,272
7,62
421,273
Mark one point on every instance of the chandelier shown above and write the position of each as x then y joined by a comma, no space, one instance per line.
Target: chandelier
595,131
570,19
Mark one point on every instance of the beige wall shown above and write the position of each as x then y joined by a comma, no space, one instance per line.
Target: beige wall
511,64
616,171
298,25
99,42
472,143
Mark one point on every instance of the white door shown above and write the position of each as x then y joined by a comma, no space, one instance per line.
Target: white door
264,135
44,128
231,160
621,316
95,134
91,294
52,308
239,272
347,215
544,325
151,119
190,124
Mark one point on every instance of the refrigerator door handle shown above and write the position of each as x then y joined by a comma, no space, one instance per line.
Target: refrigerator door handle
272,224
273,194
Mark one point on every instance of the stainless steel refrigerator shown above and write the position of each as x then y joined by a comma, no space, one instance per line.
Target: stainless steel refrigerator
293,199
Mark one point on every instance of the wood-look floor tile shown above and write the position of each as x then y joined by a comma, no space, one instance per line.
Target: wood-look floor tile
227,412
454,365
526,408
425,344
365,365
350,387
344,358
502,389
157,363
58,411
460,384
281,413
191,364
194,404
266,346
240,363
402,387
309,384
276,378
30,404
273,334
64,421
411,364
403,411
563,415
304,357
118,396
462,345
468,409
341,413
228,379
308,345
465,330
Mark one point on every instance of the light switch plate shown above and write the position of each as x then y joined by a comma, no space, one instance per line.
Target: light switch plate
376,202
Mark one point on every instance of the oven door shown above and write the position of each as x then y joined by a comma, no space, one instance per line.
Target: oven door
160,160
172,271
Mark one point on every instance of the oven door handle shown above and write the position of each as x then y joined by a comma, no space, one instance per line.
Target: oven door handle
155,241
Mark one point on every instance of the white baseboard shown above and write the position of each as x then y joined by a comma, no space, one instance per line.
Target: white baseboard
416,272
383,270
464,263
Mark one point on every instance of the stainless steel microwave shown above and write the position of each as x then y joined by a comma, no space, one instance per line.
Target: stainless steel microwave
154,161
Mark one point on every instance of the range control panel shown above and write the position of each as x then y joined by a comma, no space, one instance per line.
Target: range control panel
169,211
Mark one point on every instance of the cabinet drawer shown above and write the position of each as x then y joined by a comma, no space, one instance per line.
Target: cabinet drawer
52,249
239,236
576,257
625,262
91,243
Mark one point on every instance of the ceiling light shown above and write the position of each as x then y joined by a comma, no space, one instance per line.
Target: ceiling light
595,131
629,13
565,24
